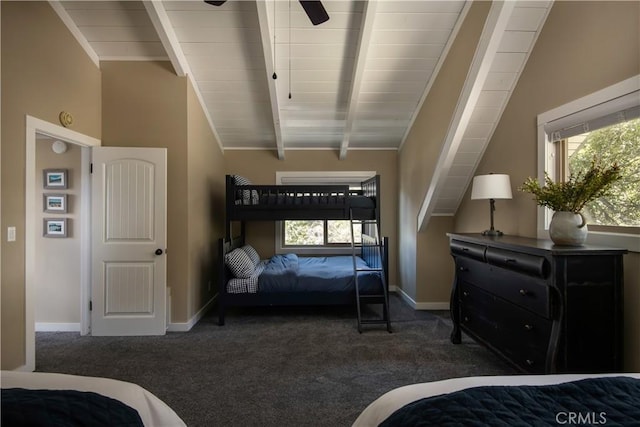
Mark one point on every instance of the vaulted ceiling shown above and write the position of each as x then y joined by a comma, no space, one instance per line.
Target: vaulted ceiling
269,79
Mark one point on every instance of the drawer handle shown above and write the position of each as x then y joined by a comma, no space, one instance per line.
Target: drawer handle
463,269
529,362
465,249
524,292
510,260
466,318
465,293
528,327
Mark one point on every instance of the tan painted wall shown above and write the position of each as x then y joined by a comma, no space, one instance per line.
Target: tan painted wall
57,275
425,275
261,166
205,204
44,71
144,104
564,65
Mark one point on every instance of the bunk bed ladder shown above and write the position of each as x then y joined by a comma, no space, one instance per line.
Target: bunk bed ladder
365,299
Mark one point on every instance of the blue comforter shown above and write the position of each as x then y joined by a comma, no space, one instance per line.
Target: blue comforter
290,273
46,408
611,401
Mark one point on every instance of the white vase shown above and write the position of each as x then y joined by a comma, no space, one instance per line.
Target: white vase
568,229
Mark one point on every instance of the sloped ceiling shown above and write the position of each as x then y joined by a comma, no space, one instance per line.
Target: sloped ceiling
354,82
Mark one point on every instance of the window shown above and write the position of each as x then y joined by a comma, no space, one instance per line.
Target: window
604,125
618,143
318,236
319,233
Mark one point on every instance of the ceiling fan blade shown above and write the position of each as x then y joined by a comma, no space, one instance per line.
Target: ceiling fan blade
315,11
215,3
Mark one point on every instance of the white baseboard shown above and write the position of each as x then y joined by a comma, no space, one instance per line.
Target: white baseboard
422,305
57,327
186,326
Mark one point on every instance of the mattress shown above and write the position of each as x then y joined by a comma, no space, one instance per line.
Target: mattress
153,411
384,409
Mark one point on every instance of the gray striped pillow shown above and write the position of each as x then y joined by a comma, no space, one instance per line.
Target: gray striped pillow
239,263
248,197
252,254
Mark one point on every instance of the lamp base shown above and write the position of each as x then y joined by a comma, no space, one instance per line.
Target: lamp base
492,233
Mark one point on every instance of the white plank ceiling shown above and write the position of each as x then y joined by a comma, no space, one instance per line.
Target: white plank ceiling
354,82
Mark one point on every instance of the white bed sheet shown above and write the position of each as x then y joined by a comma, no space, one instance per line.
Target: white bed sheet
381,408
153,411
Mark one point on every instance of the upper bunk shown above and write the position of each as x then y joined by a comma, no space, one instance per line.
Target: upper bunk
248,202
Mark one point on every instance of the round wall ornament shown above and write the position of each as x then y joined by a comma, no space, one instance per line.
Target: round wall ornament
66,119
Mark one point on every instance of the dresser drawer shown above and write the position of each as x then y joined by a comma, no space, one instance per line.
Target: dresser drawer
526,291
470,250
517,334
531,265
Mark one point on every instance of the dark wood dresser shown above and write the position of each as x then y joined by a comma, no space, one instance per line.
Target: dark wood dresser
544,308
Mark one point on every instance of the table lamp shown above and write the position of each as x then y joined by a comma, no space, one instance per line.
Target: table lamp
492,186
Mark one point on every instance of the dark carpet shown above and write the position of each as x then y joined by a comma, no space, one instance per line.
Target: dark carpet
275,366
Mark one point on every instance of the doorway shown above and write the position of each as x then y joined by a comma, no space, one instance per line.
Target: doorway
58,202
33,226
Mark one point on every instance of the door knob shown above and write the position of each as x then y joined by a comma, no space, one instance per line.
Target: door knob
158,251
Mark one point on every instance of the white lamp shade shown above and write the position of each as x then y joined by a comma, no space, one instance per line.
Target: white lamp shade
493,186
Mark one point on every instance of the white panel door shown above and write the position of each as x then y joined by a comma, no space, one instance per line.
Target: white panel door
128,291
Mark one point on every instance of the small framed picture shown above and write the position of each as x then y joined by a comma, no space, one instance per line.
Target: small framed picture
55,203
55,227
55,178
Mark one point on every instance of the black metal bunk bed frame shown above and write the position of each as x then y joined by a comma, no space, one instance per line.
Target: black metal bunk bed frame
302,202
298,202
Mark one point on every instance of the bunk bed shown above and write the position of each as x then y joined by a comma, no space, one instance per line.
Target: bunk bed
286,280
248,202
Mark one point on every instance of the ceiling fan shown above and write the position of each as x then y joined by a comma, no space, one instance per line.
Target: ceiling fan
314,9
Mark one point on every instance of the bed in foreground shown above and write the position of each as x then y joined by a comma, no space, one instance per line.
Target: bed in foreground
611,399
28,395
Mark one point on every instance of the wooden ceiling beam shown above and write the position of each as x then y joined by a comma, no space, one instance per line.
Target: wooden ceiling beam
364,41
162,24
75,31
494,28
266,35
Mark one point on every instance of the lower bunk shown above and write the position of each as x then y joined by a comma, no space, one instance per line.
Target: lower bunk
289,280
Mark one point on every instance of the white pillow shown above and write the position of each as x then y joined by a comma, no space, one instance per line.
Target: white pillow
252,254
239,263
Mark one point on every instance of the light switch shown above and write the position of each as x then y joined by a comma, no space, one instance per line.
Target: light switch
11,234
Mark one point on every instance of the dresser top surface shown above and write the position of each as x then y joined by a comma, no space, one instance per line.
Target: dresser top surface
511,242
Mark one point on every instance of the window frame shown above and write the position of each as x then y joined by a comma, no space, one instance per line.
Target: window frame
320,178
325,236
547,153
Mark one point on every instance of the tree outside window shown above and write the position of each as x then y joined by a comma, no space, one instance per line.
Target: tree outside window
619,143
319,233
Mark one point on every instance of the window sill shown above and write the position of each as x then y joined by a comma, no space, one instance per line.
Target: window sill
302,250
630,242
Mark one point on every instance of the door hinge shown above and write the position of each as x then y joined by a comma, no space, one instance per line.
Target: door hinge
91,168
90,305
